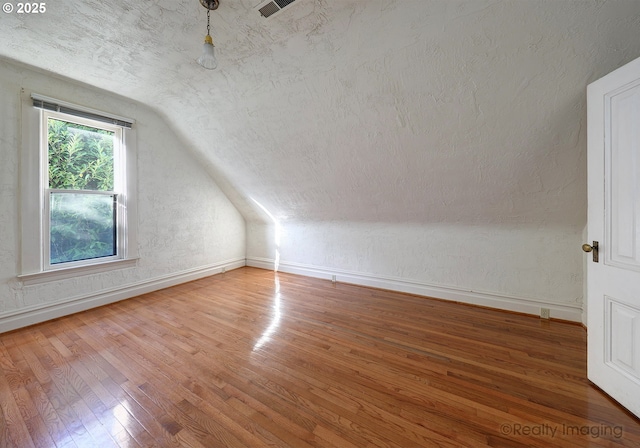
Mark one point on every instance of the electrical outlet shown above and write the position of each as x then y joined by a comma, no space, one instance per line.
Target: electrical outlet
545,313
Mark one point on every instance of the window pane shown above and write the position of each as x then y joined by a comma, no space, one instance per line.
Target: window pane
80,157
83,226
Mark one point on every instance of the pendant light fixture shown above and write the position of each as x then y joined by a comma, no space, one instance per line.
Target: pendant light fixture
208,58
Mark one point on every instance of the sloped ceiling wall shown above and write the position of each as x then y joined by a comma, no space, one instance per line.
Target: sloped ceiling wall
442,111
429,144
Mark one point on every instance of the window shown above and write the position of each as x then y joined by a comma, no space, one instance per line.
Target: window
84,190
82,178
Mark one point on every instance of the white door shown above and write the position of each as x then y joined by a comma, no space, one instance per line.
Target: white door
613,282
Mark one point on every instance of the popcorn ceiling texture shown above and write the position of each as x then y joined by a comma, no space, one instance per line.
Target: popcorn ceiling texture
409,110
376,131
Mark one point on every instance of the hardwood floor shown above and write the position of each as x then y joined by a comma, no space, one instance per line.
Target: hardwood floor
251,358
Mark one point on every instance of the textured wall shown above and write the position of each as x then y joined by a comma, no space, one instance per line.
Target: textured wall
185,221
406,111
454,128
523,262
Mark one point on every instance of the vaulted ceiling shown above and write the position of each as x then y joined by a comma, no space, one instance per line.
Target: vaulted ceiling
465,111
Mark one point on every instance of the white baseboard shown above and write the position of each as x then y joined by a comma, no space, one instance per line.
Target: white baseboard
23,317
509,303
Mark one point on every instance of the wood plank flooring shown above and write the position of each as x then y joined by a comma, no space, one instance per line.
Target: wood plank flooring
251,358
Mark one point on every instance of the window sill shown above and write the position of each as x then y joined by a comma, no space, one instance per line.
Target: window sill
64,273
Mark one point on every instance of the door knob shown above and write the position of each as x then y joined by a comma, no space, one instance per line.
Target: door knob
591,248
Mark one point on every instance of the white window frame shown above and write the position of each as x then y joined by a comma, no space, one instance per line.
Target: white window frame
35,243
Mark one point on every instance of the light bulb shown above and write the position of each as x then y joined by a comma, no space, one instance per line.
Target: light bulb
208,57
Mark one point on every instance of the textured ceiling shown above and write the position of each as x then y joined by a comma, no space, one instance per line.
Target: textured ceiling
468,111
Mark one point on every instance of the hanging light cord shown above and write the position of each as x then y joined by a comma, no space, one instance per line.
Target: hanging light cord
208,24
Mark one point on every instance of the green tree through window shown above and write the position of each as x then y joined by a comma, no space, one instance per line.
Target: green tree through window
80,157
83,222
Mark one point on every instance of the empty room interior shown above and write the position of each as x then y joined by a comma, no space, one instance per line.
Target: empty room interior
314,223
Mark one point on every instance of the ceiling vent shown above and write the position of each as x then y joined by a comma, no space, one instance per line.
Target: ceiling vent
272,7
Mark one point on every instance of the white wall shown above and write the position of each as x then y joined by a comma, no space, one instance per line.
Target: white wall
187,226
518,268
